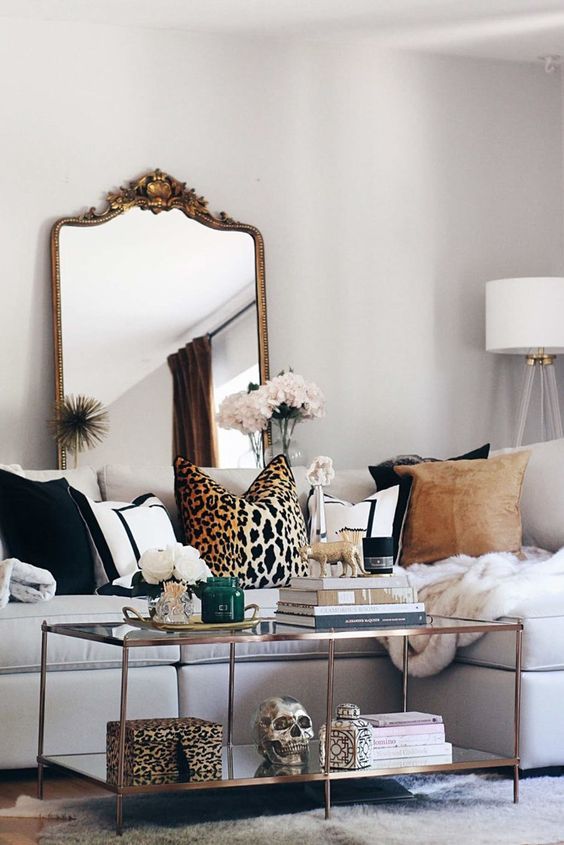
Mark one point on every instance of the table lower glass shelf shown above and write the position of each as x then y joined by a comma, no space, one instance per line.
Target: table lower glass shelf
243,766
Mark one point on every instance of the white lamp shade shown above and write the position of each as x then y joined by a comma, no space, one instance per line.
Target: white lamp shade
525,314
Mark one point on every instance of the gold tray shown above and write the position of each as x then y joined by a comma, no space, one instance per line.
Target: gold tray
195,625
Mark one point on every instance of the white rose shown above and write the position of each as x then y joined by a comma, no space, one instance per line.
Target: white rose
189,566
156,565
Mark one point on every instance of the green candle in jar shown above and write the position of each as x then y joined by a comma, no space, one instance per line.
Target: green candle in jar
223,601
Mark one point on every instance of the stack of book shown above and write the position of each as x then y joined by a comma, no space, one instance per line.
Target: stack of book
379,601
408,739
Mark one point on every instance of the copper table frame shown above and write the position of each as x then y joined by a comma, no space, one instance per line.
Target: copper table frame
278,633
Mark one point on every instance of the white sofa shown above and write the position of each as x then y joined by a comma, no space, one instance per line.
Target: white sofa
474,693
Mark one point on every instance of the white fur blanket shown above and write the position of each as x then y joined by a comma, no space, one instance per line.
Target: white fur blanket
21,581
486,587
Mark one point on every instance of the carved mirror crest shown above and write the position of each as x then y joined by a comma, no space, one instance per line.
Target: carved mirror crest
133,290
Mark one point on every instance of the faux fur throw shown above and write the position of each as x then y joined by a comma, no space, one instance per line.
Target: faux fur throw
486,587
21,581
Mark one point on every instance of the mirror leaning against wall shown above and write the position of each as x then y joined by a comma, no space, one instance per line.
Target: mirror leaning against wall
159,311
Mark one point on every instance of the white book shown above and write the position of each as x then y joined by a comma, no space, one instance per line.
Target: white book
431,750
411,717
350,609
408,740
362,582
411,762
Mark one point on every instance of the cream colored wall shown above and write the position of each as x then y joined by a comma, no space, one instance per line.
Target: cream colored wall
388,188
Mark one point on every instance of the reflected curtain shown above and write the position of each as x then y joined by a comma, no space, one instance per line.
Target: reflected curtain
194,427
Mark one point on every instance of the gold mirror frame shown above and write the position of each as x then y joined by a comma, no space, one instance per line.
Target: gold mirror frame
155,191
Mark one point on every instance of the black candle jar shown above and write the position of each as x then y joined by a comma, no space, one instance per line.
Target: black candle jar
378,553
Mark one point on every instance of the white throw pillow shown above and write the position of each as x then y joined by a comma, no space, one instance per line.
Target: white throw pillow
122,531
374,515
542,498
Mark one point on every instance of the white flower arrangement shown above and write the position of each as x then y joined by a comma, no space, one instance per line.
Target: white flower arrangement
321,472
176,562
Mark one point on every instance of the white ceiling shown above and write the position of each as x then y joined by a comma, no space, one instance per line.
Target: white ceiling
519,30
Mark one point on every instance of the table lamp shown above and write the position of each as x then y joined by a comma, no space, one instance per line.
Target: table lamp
525,316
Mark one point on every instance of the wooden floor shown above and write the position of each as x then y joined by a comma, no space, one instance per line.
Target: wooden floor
27,831
14,784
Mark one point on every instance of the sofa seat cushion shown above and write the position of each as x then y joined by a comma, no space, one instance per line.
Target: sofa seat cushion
20,635
543,635
266,599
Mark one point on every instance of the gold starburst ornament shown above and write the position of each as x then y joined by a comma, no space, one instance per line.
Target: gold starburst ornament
80,422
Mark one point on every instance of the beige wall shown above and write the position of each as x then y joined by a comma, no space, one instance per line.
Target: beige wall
388,188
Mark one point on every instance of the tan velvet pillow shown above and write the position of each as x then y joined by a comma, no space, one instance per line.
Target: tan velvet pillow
463,507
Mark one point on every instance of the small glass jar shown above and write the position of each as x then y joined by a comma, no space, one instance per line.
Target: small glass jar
223,601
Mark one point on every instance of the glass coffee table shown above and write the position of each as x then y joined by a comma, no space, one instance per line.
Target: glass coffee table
240,763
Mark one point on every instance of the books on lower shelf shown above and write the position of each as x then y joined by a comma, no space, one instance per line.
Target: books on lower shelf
408,739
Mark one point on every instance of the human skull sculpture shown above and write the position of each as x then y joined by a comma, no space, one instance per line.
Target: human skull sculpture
282,730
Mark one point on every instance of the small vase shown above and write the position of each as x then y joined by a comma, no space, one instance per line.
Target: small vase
172,610
282,443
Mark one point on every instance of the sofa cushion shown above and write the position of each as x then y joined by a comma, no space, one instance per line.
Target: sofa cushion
256,537
121,531
463,507
542,501
20,635
42,526
543,635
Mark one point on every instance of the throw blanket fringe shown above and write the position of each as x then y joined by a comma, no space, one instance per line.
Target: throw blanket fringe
487,587
21,581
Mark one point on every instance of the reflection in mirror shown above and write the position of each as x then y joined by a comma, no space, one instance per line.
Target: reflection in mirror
143,301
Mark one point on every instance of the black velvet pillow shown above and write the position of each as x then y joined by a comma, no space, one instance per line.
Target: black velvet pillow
42,526
385,476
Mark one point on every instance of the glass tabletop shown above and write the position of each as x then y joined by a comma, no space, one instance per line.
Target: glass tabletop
131,634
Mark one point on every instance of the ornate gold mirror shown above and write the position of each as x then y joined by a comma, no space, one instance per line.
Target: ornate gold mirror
152,311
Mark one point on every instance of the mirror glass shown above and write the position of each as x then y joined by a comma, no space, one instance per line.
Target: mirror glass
136,289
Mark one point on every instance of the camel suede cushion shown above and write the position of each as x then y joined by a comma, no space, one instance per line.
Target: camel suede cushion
463,507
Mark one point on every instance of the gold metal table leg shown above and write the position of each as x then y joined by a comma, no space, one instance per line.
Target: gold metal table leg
405,672
121,748
42,690
517,712
330,679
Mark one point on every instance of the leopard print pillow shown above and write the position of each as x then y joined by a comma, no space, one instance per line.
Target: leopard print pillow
257,536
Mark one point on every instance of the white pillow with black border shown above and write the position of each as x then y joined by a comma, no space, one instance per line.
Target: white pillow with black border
121,531
374,515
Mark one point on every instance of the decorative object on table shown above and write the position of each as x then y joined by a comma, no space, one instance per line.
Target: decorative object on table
133,617
342,551
320,474
284,401
282,730
169,578
255,537
378,555
525,316
174,750
463,507
80,422
241,411
222,600
351,740
408,739
385,478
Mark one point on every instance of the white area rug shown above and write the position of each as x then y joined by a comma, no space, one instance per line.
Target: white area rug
449,810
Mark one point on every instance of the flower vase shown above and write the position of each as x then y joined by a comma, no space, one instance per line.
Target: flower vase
172,608
282,443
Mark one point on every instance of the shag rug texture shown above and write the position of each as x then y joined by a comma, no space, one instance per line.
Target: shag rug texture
486,587
468,809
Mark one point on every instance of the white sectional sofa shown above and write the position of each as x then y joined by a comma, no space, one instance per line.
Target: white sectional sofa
474,693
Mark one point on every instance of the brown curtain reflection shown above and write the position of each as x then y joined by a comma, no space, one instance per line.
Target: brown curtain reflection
194,428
